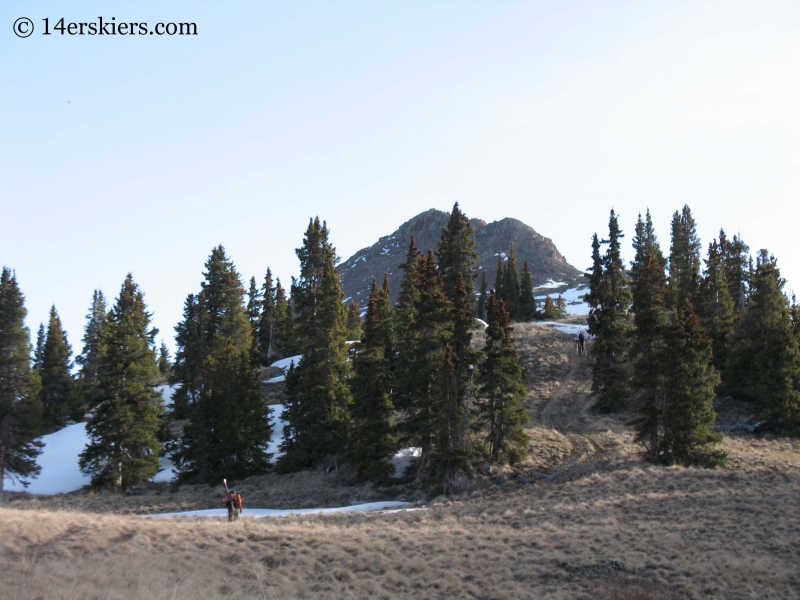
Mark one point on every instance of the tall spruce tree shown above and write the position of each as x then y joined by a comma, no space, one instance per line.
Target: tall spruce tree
511,293
500,391
690,381
715,305
684,259
609,300
218,310
372,440
38,354
457,255
764,363
58,394
89,359
317,397
20,405
267,320
648,351
424,330
737,261
285,331
527,302
230,426
164,365
123,446
254,303
500,278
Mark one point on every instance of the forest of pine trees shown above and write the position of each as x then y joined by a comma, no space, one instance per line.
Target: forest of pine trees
671,335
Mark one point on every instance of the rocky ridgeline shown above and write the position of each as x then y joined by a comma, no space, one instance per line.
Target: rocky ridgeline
491,240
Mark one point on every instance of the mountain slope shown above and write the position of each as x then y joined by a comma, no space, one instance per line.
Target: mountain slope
491,240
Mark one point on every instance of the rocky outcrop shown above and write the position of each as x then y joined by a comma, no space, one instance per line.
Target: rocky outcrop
492,240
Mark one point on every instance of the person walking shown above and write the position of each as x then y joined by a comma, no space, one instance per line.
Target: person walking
581,344
234,503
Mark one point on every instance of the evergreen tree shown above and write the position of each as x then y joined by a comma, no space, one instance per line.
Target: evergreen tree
424,329
39,352
648,348
736,258
20,406
483,298
610,299
123,446
164,366
254,304
230,426
715,305
765,360
500,390
511,293
353,321
794,315
372,441
317,397
554,309
457,255
527,303
450,460
500,279
285,332
218,310
690,383
266,325
58,398
684,259
89,359
189,357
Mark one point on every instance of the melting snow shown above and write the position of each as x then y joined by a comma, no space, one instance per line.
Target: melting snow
277,379
285,363
269,512
403,459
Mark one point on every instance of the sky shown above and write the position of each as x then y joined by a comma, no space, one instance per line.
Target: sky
141,153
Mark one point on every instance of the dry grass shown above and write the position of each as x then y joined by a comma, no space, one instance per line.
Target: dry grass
603,525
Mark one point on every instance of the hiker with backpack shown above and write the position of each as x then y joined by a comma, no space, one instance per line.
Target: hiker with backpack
234,503
581,344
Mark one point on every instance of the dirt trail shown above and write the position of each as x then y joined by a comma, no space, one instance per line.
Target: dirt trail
566,408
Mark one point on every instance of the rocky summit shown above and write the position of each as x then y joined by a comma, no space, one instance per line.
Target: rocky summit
492,242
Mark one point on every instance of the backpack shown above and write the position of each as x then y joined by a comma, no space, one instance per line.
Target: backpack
237,501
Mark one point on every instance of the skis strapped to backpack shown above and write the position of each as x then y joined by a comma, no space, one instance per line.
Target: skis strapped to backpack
228,492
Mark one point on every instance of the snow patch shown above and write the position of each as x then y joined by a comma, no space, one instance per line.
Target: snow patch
568,328
402,459
481,323
287,362
167,391
277,379
269,512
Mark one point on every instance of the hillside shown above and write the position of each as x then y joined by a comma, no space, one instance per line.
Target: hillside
491,240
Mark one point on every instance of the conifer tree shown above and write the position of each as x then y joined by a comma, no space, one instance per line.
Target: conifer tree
267,321
164,366
89,359
123,446
794,316
372,440
254,303
511,293
736,258
684,259
189,357
648,351
218,310
690,382
317,397
500,279
285,332
58,397
457,255
715,305
554,309
610,299
353,321
39,352
20,405
765,359
450,459
527,303
483,298
230,426
500,390
424,329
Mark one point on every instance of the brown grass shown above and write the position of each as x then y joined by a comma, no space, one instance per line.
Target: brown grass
601,525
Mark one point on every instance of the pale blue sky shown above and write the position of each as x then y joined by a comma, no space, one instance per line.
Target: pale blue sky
140,153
